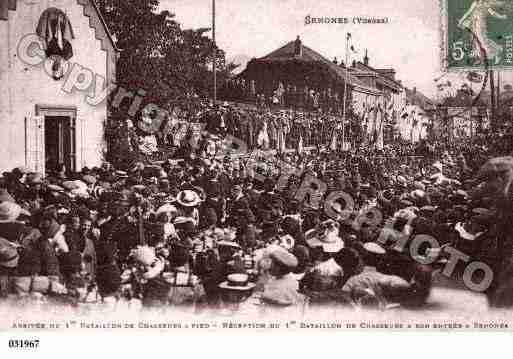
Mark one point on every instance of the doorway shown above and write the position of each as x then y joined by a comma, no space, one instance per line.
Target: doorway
59,138
58,143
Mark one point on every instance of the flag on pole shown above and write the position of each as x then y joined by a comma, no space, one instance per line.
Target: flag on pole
352,49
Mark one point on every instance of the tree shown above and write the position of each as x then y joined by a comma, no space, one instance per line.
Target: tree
159,60
157,55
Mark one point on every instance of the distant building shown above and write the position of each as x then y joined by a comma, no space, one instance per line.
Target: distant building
42,124
297,76
461,116
416,121
380,115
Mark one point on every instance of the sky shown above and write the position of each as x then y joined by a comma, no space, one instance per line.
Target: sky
409,42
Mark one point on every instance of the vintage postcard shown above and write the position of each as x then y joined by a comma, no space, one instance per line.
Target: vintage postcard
302,166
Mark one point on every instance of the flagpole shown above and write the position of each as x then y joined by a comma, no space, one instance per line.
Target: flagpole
214,61
345,95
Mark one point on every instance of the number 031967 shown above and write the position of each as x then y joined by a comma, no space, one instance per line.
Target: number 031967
23,344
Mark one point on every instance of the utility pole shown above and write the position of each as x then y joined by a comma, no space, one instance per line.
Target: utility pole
498,98
492,100
214,57
471,114
344,110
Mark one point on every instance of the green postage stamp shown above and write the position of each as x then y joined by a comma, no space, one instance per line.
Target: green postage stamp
477,34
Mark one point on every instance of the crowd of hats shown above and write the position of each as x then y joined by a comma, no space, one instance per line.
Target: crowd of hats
214,219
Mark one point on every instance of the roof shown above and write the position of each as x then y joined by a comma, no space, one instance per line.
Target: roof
463,99
419,99
365,70
287,53
101,28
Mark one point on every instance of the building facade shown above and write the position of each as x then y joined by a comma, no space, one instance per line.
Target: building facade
299,77
45,121
379,114
417,119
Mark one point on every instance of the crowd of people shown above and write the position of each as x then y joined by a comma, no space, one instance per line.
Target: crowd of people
211,232
257,127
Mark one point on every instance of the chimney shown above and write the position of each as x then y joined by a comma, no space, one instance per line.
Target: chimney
354,63
298,47
335,61
366,59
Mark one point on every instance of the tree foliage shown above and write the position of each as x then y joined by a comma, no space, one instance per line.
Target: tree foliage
158,56
160,61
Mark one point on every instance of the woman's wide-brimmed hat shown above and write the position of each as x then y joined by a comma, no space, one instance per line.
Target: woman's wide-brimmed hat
284,257
144,255
34,178
188,198
463,233
10,211
328,239
167,208
55,188
330,243
373,247
237,282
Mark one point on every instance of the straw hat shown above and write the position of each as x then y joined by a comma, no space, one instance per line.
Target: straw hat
89,179
55,188
329,240
238,282
167,208
10,211
121,174
375,248
34,178
283,257
287,242
144,255
69,185
188,198
438,165
405,213
418,194
459,227
231,244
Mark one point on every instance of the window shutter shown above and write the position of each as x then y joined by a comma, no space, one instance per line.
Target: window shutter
73,143
4,10
35,143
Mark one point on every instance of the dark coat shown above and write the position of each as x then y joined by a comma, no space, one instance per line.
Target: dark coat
49,260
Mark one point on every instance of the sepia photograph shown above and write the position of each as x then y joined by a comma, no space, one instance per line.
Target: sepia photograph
229,166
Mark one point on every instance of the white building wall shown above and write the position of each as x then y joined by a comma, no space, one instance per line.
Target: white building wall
23,86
